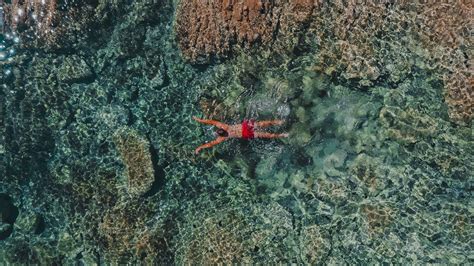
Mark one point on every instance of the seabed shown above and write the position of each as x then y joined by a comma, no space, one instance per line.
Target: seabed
97,133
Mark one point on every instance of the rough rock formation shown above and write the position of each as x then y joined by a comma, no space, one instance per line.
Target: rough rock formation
135,154
39,13
387,42
124,233
210,29
368,43
48,24
446,32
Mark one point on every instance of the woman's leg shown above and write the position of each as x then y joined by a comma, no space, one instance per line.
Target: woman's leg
267,123
266,135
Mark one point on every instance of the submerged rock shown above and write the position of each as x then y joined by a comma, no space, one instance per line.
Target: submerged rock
135,154
74,70
211,29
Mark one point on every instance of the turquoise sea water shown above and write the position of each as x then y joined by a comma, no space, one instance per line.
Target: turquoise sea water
97,140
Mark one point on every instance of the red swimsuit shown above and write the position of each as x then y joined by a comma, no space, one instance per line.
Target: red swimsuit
247,129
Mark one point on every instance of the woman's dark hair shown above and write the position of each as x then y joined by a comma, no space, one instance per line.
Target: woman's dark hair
222,133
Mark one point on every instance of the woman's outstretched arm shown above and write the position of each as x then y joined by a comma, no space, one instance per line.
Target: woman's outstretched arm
210,144
212,122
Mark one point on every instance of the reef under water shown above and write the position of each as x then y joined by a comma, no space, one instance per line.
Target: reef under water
97,133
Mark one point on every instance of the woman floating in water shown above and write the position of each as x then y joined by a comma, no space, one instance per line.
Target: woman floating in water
247,130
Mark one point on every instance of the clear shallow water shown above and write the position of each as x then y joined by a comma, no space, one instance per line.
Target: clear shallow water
97,146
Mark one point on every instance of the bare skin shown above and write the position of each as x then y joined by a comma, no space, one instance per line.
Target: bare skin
235,131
